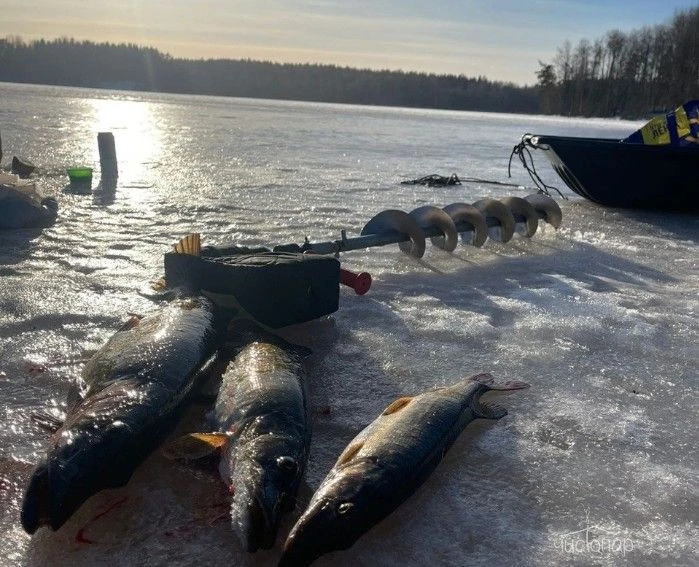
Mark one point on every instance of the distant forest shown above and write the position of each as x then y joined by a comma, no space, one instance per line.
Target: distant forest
87,64
651,69
648,70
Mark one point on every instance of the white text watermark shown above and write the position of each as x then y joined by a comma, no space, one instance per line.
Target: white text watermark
594,540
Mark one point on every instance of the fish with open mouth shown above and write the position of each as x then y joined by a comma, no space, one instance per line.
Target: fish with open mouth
262,432
385,463
134,389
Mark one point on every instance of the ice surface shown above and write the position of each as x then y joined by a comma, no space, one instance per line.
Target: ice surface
600,317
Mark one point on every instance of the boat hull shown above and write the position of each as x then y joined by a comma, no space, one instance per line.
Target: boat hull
617,174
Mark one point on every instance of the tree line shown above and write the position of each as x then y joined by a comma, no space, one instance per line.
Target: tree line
634,74
104,65
650,70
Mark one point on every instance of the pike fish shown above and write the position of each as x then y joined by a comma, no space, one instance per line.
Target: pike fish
385,463
262,434
134,389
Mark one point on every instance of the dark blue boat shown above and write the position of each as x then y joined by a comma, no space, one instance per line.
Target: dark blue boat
614,173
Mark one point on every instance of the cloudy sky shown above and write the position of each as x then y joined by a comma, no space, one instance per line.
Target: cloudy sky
499,39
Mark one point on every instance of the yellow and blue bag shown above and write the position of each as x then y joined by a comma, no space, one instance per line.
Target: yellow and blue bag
677,128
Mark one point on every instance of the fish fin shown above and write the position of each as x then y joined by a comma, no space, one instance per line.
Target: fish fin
397,405
349,453
131,323
51,422
510,385
190,244
216,439
485,378
195,446
487,410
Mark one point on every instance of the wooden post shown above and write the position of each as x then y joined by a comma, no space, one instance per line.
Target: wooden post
108,159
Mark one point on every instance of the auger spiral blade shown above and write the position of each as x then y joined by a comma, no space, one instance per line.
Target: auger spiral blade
546,208
487,217
523,210
395,222
469,220
429,216
498,217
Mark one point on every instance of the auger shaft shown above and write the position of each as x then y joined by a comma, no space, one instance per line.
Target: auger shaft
345,244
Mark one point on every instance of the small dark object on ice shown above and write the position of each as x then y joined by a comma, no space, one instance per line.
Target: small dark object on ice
434,180
22,167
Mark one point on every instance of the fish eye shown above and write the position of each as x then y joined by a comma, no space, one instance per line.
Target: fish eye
345,508
287,464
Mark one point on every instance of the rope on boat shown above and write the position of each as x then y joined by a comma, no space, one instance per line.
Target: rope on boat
521,150
493,182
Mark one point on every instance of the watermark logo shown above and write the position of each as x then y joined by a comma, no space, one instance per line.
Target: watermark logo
594,539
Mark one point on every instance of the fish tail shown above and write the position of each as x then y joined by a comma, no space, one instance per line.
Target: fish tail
485,378
489,410
488,381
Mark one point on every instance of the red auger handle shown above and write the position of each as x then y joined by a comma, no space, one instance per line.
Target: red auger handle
360,283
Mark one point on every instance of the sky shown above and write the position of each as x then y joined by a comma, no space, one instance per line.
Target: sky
502,40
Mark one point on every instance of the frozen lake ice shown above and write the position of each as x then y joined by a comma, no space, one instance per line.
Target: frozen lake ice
596,464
